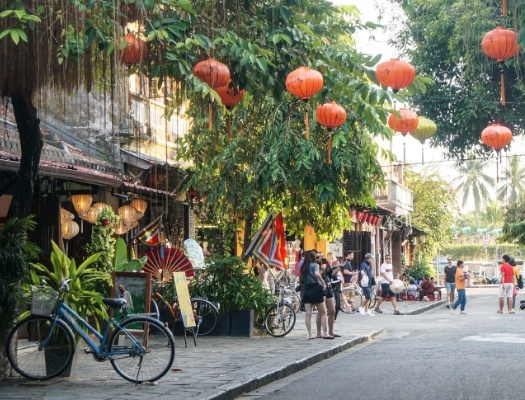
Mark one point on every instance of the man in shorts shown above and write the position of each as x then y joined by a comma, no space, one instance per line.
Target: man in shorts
506,286
450,281
365,281
387,278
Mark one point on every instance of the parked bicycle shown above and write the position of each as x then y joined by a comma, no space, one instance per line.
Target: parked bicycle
204,312
280,318
42,346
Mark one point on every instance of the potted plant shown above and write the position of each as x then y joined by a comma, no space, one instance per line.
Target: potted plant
237,293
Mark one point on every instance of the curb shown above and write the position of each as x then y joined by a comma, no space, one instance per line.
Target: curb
233,390
430,306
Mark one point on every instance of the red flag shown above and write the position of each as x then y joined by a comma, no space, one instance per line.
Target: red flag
152,235
270,248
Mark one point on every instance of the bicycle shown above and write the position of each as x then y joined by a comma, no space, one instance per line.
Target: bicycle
42,346
293,297
280,318
354,296
205,312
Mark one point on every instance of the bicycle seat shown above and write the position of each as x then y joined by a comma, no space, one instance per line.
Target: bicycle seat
114,303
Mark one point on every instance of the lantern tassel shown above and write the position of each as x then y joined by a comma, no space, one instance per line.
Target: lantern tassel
210,116
422,155
502,86
330,149
307,126
504,8
497,168
229,128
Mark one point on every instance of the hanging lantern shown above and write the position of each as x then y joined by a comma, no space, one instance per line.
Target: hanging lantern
92,215
304,83
82,202
70,229
136,50
230,96
215,74
359,216
102,207
330,115
395,74
496,136
120,228
403,121
501,44
65,215
426,129
139,205
127,214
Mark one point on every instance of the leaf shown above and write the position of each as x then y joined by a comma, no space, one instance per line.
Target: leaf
14,35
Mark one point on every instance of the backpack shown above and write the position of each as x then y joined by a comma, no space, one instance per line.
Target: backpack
520,282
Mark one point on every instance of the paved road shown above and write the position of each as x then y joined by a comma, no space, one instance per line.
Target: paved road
219,367
435,355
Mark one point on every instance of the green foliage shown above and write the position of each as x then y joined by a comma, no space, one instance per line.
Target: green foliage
420,269
121,262
15,255
476,252
514,228
442,39
20,19
81,298
228,285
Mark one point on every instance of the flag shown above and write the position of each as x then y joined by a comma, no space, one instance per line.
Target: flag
269,244
152,234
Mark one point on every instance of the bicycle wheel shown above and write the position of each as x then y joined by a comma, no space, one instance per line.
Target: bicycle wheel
32,362
279,320
353,298
296,302
151,358
206,316
373,299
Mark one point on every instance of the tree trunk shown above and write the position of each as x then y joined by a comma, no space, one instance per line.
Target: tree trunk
31,144
248,228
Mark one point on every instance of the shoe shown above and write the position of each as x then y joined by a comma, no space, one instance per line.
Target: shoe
328,337
448,306
397,312
362,311
370,313
512,311
378,311
336,335
462,312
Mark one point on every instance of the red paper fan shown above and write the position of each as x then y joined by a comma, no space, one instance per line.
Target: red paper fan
167,260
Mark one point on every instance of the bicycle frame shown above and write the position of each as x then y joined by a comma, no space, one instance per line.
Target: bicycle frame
77,323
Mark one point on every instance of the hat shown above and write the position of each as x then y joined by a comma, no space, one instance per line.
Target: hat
368,255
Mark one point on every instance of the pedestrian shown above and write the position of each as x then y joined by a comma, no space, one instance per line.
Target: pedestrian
336,282
350,278
329,300
515,277
365,281
460,287
387,278
506,287
450,281
312,285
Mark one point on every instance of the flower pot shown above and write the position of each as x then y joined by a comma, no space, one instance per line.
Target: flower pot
242,322
223,326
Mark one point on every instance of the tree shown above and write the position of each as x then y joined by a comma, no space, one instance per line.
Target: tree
493,216
473,184
512,182
433,210
442,40
514,228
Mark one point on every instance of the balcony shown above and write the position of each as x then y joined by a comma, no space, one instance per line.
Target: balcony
395,197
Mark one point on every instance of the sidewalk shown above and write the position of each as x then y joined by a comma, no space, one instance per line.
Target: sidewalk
218,368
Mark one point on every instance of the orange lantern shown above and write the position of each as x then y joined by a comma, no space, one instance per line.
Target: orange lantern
403,121
230,95
135,51
330,115
501,45
215,74
395,74
304,83
496,136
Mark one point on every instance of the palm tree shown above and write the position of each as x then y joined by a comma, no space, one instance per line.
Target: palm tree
473,184
513,185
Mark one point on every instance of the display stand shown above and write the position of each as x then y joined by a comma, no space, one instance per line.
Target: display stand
186,310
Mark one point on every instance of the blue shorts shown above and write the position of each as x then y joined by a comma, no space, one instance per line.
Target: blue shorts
367,292
450,286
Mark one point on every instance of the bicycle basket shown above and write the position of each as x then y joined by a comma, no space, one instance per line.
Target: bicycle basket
43,300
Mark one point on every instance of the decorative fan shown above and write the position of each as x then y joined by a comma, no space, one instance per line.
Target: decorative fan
165,261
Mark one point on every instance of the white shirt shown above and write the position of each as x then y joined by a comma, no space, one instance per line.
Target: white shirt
387,271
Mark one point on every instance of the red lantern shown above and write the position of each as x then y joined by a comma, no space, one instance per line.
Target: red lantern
215,74
379,219
359,216
369,218
406,122
304,83
353,214
330,115
395,74
135,51
501,45
496,136
230,95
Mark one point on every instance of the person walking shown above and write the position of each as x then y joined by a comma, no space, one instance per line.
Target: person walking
365,281
506,286
515,277
387,278
450,281
312,284
329,300
460,286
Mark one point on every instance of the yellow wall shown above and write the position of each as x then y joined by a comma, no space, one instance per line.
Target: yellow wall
311,242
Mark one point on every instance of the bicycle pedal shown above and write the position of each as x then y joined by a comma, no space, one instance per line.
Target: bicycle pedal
88,350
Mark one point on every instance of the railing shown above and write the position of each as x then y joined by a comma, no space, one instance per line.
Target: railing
394,195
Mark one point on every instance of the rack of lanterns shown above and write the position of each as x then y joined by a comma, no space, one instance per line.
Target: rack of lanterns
128,215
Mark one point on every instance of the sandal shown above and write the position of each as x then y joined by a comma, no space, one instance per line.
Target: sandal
499,312
328,337
336,335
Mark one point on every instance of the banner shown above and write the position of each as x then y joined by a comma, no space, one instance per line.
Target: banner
152,234
269,244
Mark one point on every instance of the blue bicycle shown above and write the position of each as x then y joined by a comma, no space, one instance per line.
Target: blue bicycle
42,346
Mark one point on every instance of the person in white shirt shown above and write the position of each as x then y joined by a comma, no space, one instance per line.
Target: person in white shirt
387,277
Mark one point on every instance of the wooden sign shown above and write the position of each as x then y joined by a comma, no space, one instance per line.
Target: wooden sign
183,296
